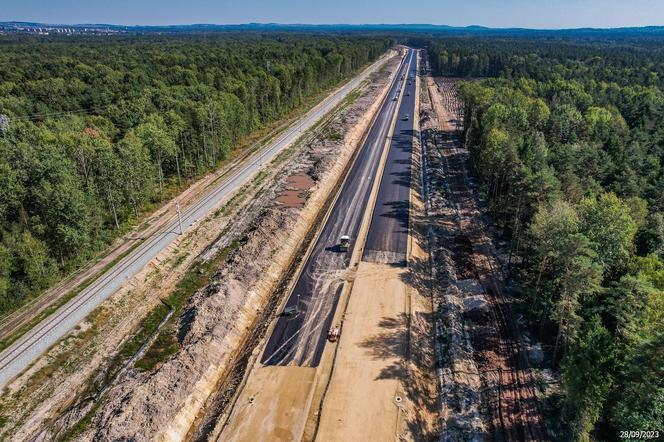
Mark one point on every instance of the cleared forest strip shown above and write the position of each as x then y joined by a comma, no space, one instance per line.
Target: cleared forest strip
476,311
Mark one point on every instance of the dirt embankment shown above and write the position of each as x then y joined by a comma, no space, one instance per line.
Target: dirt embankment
164,403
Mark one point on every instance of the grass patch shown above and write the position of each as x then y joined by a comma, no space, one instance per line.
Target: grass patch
148,327
180,259
335,136
79,427
167,342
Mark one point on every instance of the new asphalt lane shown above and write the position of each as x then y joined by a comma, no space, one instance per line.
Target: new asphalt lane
299,339
387,240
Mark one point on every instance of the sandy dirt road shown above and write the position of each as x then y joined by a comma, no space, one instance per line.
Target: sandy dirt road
272,404
365,400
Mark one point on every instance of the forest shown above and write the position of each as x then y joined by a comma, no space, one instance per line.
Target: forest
567,139
94,131
565,136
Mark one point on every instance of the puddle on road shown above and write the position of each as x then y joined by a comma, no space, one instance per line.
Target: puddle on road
295,194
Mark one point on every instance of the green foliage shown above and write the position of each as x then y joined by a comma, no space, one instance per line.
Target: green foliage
607,222
587,378
651,268
566,268
638,312
102,128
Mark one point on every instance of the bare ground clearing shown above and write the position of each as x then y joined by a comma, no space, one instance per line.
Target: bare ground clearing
487,387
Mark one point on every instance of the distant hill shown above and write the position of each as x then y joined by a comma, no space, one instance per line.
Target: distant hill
99,28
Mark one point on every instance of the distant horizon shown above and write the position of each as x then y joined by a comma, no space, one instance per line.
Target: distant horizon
295,24
495,14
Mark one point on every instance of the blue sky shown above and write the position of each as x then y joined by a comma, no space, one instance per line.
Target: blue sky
494,13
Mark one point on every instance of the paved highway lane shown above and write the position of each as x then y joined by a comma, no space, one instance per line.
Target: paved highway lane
300,339
387,240
19,355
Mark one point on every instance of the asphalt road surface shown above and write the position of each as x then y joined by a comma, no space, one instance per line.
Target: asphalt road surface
299,339
387,240
15,358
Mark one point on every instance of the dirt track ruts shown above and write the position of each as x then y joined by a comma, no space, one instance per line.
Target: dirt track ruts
508,383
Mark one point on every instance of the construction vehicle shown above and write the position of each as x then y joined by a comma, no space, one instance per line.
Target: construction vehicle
333,334
344,243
